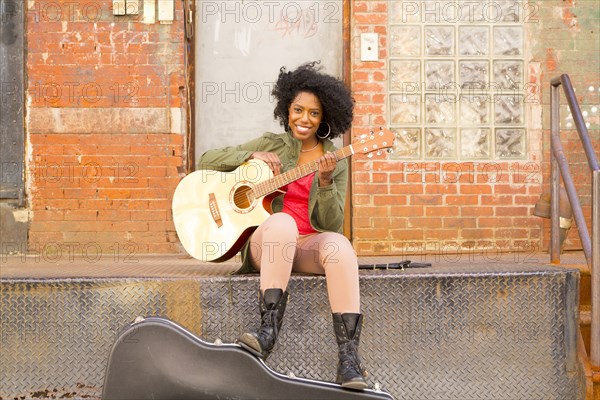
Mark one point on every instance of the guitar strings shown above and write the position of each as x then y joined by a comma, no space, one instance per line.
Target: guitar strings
278,181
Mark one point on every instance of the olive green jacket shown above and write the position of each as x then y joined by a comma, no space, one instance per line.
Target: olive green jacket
325,204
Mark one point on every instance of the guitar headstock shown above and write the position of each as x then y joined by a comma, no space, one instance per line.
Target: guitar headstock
375,141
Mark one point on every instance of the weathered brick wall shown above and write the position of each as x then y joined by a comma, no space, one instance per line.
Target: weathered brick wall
408,206
106,126
105,129
565,39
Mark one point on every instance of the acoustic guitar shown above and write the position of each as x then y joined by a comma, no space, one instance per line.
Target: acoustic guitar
216,212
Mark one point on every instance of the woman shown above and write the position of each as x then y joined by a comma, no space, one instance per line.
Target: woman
303,233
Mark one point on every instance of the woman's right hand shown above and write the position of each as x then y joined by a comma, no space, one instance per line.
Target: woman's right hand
271,159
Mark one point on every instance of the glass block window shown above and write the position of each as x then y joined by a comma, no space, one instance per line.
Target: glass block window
456,80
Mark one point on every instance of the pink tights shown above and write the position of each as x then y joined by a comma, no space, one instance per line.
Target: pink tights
276,249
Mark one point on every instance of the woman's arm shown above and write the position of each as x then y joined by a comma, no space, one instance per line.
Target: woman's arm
229,158
328,212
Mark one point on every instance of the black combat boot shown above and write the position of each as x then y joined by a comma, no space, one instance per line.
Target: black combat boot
272,306
351,373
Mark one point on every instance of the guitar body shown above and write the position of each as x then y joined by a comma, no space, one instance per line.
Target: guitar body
215,213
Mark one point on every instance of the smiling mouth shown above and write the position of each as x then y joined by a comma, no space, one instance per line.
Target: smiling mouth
302,129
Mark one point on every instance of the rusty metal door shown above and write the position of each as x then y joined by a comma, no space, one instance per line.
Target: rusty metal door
240,47
11,101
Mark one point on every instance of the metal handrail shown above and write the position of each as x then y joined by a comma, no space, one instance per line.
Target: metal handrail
560,164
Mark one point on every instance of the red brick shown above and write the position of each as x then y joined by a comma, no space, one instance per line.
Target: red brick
467,211
476,233
48,215
425,200
494,222
475,189
461,200
360,76
361,199
360,6
389,200
406,211
407,234
434,188
442,211
371,188
379,177
512,211
459,223
150,215
407,189
441,234
79,215
361,222
370,211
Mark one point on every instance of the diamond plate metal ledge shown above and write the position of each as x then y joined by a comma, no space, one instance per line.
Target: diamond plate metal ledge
479,331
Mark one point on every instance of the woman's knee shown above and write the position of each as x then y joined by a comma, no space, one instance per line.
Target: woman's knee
335,247
283,223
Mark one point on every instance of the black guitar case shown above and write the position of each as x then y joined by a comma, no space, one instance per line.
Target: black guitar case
157,359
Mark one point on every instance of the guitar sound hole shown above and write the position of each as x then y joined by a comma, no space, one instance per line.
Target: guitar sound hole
242,198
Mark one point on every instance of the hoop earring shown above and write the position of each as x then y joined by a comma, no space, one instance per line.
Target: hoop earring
328,132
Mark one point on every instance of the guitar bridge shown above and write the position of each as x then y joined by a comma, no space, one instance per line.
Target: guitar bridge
214,209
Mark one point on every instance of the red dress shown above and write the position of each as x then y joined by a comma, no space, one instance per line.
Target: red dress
295,203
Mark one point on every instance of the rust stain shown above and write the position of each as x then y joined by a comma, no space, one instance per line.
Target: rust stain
551,60
183,304
533,80
569,19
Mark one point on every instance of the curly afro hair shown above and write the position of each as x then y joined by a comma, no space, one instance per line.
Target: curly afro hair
335,98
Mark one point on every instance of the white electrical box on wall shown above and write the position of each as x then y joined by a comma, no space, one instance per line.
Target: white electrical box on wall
132,7
369,47
149,11
166,11
118,7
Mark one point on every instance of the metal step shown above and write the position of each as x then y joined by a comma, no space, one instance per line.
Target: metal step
453,331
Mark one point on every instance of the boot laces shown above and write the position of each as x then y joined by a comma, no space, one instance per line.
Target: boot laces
349,357
268,323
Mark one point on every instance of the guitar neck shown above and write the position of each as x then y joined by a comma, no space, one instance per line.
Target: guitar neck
269,186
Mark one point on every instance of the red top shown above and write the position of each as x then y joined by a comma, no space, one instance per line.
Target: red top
295,203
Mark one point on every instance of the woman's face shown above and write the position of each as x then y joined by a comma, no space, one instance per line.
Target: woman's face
304,115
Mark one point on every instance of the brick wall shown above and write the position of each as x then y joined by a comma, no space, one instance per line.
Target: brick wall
408,206
566,40
105,129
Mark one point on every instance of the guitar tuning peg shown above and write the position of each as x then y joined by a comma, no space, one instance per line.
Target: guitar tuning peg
370,155
364,135
378,152
390,150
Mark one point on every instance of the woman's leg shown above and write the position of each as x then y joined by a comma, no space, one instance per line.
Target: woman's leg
332,254
272,250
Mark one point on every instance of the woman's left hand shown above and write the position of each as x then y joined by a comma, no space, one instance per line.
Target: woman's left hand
327,165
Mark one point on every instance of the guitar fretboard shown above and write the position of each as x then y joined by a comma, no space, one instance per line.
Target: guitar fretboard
271,185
